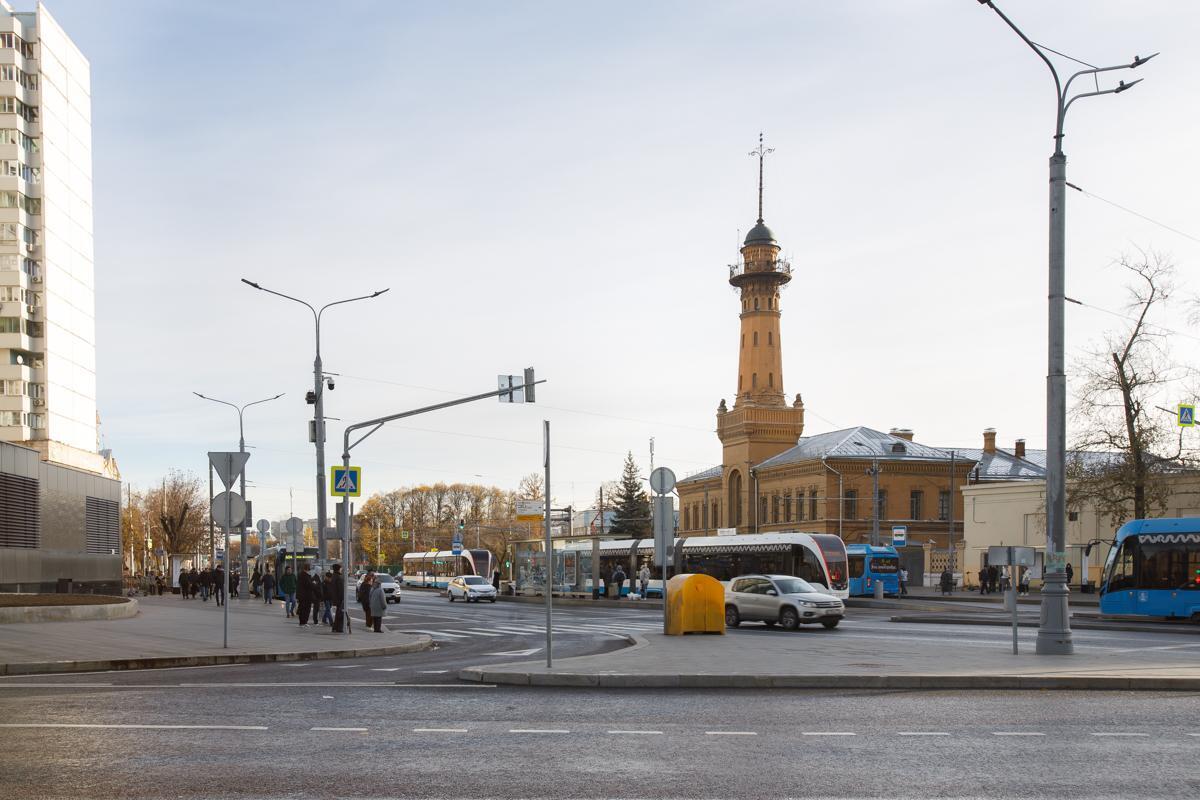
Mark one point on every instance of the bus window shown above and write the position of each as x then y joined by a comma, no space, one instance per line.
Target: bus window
1121,576
856,566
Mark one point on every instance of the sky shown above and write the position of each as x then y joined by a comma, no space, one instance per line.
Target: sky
562,185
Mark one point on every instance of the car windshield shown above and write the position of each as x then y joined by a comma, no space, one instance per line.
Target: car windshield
473,580
794,586
385,578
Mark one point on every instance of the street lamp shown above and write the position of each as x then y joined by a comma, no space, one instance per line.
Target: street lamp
1054,631
317,398
874,473
243,587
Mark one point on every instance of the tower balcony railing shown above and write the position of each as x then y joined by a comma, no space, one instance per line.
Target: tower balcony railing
778,266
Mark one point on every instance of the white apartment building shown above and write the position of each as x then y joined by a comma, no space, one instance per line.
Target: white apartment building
47,276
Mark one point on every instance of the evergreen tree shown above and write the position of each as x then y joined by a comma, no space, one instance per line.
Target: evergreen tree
631,504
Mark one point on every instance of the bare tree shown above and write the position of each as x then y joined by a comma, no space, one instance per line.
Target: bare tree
177,504
1126,442
531,487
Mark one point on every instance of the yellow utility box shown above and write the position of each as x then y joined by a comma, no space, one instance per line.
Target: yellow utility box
695,604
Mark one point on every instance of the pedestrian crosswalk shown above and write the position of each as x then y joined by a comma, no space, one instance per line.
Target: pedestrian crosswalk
451,633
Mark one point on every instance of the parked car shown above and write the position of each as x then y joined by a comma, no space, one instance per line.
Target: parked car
782,599
471,587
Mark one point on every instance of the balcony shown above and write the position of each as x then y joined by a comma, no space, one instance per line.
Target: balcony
777,271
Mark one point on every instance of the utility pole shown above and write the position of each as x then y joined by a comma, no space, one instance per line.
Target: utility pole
950,515
874,470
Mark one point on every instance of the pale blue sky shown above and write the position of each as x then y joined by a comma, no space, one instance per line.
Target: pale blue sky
563,185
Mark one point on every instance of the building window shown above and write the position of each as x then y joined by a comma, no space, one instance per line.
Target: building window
812,505
787,507
754,380
850,505
715,517
739,384
756,304
743,341
944,504
916,499
756,338
800,506
770,339
774,508
771,380
735,499
10,324
882,504
762,511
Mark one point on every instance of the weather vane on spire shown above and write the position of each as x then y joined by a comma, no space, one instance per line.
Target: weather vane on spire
761,152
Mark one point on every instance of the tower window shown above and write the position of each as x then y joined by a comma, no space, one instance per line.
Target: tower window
770,339
756,338
771,379
756,304
739,383
743,341
754,380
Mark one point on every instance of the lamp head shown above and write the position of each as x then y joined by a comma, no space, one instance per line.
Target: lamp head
1122,86
1138,60
251,283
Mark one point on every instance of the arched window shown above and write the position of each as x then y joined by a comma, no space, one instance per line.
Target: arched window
762,510
771,379
743,341
770,339
735,499
739,383
756,304
715,519
755,342
775,508
754,380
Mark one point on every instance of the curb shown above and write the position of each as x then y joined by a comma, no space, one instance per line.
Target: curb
1077,623
423,642
615,680
120,608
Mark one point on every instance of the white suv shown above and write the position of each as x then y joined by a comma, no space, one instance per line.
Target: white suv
782,599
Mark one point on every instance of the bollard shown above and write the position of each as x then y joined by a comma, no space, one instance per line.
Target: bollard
878,590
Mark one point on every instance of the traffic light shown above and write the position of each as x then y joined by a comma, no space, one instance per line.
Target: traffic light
529,384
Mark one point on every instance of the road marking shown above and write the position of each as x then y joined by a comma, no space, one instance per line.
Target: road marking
637,733
294,665
731,733
923,733
332,684
434,671
344,666
828,733
385,669
343,730
440,730
326,697
436,633
135,727
1016,733
1120,734
477,632
528,652
537,730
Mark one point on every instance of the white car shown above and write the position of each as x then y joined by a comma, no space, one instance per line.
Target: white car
391,587
783,599
470,587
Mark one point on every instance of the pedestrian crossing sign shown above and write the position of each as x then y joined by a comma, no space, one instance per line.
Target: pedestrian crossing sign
1187,415
345,481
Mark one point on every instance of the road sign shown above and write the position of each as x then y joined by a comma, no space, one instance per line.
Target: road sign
159,551
1187,415
345,482
664,530
1004,556
228,510
295,526
899,535
403,534
662,480
229,466
531,510
456,548
264,526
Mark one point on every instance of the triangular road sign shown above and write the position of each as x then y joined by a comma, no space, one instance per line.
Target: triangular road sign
346,483
229,466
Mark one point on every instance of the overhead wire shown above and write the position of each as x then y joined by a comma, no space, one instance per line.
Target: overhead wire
1151,220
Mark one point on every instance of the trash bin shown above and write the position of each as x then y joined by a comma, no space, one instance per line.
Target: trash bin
63,586
695,604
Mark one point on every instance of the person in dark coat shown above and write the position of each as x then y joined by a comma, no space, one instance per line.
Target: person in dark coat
268,587
339,598
304,595
327,598
218,585
194,581
205,583
496,581
255,582
183,584
318,594
363,595
618,579
1070,574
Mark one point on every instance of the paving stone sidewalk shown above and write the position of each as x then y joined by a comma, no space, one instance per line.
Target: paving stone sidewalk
169,631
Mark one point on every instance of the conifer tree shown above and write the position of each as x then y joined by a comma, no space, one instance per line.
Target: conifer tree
632,504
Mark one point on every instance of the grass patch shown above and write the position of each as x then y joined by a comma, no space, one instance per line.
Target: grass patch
25,600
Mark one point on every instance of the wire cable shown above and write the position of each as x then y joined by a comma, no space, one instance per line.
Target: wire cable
1151,220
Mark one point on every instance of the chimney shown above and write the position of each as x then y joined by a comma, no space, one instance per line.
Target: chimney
902,433
989,440
1019,449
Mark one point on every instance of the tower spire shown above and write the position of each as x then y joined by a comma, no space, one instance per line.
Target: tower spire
761,152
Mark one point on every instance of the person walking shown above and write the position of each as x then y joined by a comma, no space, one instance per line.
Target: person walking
304,595
496,580
235,579
1023,582
194,582
947,581
287,585
338,599
205,583
327,597
315,593
218,585
159,584
618,579
378,605
644,580
268,587
255,582
363,595
1070,574
903,581
183,584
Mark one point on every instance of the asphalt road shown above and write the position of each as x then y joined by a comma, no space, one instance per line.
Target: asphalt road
402,727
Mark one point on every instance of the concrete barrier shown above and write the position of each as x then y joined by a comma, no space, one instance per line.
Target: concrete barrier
119,608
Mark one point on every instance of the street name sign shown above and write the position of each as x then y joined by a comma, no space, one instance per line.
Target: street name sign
345,481
531,510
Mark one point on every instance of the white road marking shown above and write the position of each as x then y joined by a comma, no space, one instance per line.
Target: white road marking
385,669
1016,733
295,665
326,697
637,733
439,730
436,633
343,730
136,727
537,730
1120,734
828,733
434,671
528,652
731,733
477,632
922,733
345,666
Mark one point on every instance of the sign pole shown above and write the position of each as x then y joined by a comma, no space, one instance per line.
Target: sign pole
1012,588
549,553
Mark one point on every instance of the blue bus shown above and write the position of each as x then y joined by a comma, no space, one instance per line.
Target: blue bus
1153,569
870,565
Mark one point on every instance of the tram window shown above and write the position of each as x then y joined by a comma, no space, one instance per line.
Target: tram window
1163,566
856,566
1122,574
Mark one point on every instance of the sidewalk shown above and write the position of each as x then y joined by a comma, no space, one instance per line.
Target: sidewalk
170,632
818,659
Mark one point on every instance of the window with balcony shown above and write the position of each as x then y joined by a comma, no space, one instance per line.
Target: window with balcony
12,388
10,418
10,324
37,421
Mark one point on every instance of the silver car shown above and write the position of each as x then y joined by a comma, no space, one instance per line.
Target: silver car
783,599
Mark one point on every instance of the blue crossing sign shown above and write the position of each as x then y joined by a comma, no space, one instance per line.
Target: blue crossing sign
345,481
1187,415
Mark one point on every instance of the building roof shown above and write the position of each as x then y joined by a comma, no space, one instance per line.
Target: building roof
760,234
1003,465
861,443
703,475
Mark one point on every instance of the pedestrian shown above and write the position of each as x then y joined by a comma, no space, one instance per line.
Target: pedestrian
235,580
218,584
496,580
378,605
255,582
159,584
183,584
338,591
644,580
993,575
947,581
327,597
1005,581
363,596
316,592
287,585
618,579
304,594
194,582
205,583
903,581
1023,582
268,587
1070,574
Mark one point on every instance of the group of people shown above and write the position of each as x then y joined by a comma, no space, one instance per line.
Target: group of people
206,582
371,597
312,598
148,584
619,577
993,579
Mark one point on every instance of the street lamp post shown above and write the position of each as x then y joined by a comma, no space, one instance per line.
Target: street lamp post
243,587
317,398
1054,631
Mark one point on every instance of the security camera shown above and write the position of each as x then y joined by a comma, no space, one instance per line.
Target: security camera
329,383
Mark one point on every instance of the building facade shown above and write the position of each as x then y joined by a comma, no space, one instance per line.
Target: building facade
47,286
